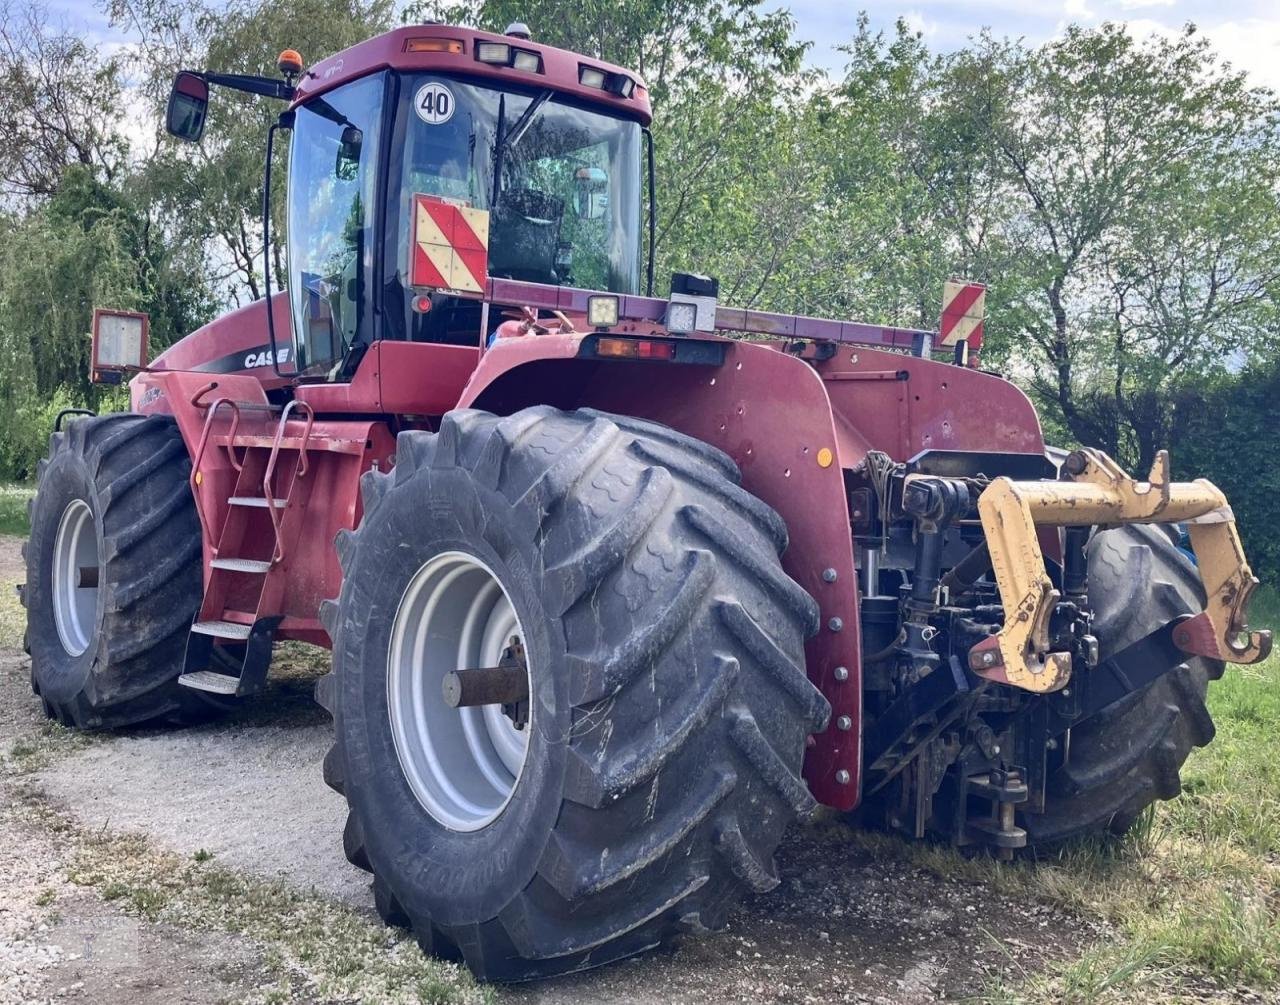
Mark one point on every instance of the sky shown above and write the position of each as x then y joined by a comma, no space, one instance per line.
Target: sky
1245,32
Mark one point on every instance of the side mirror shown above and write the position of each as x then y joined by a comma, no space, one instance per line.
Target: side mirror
188,106
347,167
119,345
590,193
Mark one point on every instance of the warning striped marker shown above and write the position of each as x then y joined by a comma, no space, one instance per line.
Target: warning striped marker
964,307
450,246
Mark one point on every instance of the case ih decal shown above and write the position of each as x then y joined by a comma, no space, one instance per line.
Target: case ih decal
450,246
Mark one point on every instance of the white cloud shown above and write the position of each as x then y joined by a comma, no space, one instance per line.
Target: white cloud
916,21
1251,44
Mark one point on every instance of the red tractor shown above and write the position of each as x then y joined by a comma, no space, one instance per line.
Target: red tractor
613,596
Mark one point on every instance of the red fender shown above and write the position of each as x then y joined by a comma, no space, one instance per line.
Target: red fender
770,413
774,414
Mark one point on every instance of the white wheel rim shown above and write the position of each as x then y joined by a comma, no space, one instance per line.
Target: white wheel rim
463,764
75,607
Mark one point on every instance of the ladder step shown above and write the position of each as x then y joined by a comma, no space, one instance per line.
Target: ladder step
208,680
241,564
254,501
223,629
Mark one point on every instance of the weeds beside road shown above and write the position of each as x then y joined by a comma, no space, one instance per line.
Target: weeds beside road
1187,907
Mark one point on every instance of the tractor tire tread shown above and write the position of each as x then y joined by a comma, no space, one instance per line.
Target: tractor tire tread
695,799
1131,753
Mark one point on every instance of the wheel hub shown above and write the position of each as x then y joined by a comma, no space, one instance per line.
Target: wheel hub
462,763
75,577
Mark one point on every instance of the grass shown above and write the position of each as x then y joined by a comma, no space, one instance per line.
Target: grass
1192,895
13,508
312,948
1189,901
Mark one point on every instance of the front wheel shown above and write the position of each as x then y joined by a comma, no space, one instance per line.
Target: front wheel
113,573
648,777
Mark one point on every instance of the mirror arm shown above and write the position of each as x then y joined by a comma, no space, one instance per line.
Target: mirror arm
267,87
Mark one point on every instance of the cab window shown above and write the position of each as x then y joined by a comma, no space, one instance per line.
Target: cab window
332,195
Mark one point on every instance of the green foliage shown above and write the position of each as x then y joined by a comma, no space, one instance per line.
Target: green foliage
13,509
1117,194
1227,432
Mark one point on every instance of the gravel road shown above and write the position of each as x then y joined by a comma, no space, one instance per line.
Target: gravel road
845,924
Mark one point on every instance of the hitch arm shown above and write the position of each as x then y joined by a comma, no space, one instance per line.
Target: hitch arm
1098,491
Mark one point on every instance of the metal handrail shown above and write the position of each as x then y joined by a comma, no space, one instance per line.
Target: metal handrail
277,553
194,478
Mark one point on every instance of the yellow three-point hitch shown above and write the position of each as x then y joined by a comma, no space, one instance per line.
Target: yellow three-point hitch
1096,491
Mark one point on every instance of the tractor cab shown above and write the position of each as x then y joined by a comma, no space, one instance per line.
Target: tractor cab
545,144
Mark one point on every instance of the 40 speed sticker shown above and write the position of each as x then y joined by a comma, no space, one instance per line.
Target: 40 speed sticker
434,104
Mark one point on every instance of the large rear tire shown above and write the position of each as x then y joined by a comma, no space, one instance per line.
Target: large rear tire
1130,754
669,705
113,497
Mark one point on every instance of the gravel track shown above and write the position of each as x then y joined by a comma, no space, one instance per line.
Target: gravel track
844,925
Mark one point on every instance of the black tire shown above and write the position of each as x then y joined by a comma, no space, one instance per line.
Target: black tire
671,701
131,471
1127,756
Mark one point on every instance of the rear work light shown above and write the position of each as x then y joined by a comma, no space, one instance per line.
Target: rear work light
627,348
493,52
615,83
502,54
602,311
452,45
530,62
589,76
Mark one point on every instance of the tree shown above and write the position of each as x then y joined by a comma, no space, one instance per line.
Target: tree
53,89
1143,241
211,193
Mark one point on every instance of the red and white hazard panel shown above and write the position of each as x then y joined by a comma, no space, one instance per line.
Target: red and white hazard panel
964,306
450,246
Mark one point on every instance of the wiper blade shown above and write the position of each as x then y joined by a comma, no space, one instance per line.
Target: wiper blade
507,139
526,120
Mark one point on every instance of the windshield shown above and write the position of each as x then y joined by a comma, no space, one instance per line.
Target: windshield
565,209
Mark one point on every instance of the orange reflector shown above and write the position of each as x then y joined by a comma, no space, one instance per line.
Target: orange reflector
825,457
627,348
433,45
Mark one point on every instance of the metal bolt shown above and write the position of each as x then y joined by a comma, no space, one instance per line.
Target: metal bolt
842,777
988,659
844,722
828,575
1066,692
835,624
1051,745
995,749
842,674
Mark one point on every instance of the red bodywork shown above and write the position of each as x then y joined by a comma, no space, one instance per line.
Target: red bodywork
274,490
770,410
560,68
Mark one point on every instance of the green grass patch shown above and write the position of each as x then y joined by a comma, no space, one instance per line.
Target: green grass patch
1193,893
14,497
